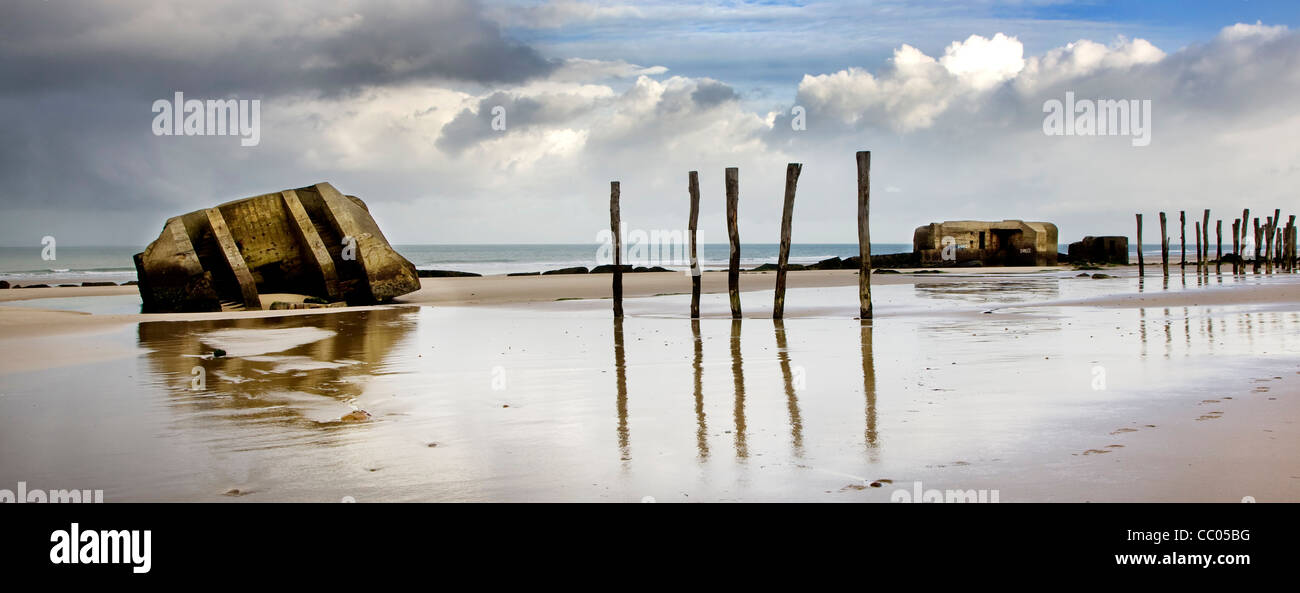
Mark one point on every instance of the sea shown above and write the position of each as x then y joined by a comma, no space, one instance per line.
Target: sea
73,265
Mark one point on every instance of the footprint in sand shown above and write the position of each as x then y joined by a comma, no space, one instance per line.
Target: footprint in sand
1210,401
1261,390
1211,416
1124,430
1114,446
1095,452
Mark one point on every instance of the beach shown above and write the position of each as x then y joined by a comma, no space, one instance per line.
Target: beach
1028,384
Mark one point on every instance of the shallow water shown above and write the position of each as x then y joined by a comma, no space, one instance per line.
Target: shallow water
560,402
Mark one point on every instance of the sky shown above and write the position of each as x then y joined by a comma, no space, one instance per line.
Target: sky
396,101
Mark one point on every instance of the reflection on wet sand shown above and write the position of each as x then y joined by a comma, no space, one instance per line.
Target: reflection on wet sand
792,400
738,376
620,379
294,368
983,291
701,427
869,384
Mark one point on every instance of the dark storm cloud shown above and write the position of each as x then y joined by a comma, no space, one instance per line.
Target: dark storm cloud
78,79
711,92
257,48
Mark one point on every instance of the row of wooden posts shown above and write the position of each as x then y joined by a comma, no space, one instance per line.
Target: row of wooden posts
732,182
1275,246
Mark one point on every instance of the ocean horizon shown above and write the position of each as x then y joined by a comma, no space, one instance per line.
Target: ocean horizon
114,263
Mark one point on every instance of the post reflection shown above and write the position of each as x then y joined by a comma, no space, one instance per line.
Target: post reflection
701,426
620,381
791,400
869,384
738,376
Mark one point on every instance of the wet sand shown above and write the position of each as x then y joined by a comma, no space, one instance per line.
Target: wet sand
972,382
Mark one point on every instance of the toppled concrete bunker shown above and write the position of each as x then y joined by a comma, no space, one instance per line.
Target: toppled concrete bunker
310,241
1005,243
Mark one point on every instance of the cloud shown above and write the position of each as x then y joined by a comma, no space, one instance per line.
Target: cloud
397,109
256,48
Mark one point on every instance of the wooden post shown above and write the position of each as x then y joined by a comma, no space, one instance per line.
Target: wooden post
618,249
1182,237
792,171
1291,224
1255,265
1198,246
1268,244
1141,264
1236,246
864,234
1218,246
1245,228
733,236
1205,234
1164,245
693,187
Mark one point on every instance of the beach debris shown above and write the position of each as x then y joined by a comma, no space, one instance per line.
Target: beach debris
311,241
218,353
357,415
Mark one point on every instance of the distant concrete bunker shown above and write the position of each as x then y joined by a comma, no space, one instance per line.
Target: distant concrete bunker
311,241
1005,243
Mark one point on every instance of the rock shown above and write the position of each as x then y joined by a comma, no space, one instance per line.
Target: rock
1083,275
131,283
573,270
524,274
885,271
37,286
773,267
311,240
609,269
355,416
69,286
833,263
4,284
1101,276
1103,250
99,284
446,274
218,353
651,269
311,300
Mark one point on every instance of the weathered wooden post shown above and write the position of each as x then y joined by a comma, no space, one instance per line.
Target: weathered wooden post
864,234
1268,244
1141,264
1164,245
1245,228
618,249
733,236
1182,237
1198,246
1236,246
1218,246
792,171
1205,234
1291,241
693,187
1255,264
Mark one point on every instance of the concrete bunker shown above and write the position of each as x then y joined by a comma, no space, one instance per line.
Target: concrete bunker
975,242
